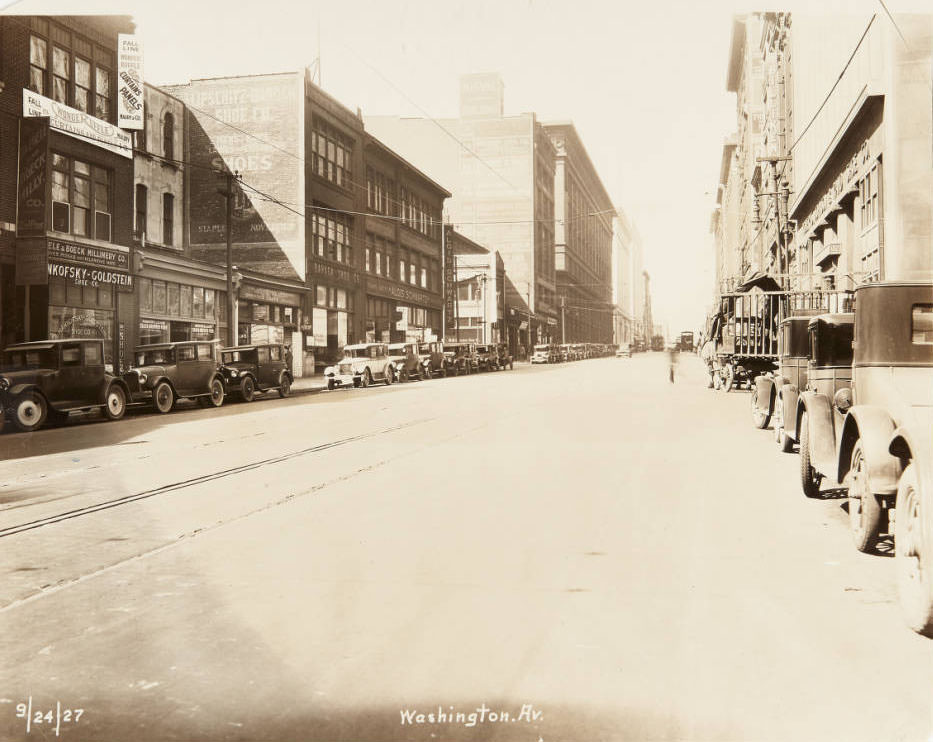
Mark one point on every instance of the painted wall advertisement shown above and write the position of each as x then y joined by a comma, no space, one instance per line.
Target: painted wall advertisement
253,126
77,124
33,177
129,82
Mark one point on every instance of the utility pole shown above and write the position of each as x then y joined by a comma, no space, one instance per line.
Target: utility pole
563,320
227,192
484,307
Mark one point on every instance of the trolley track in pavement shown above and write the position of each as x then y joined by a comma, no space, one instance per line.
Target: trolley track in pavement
201,479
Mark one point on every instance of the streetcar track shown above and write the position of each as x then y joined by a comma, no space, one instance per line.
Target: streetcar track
194,481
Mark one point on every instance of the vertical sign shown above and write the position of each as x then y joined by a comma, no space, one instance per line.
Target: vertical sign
129,82
449,285
121,347
33,170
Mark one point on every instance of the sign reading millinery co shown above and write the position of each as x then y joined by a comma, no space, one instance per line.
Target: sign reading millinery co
101,257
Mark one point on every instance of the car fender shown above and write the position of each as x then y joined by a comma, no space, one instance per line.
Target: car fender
102,396
18,389
764,387
820,423
789,396
913,443
875,428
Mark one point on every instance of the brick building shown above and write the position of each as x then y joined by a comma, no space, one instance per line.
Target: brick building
66,181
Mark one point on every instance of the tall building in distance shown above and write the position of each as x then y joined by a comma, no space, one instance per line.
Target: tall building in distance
529,191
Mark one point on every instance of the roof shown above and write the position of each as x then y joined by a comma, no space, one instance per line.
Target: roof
165,346
245,347
360,346
42,344
833,320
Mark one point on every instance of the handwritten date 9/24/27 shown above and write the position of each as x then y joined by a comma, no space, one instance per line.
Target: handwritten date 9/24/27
41,717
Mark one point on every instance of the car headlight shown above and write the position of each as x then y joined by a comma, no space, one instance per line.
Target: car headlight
329,371
142,377
234,373
4,383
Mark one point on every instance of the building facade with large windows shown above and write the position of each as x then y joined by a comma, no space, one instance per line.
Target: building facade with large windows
66,181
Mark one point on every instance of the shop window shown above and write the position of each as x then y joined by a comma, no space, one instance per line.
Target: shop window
159,300
168,136
174,304
222,306
145,294
142,196
184,300
38,64
209,303
73,295
289,316
102,93
168,219
57,292
260,312
321,296
197,301
341,299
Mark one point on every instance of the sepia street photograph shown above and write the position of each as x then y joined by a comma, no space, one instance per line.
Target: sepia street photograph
466,371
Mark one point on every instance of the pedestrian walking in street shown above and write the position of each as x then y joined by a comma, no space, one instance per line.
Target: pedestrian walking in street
672,353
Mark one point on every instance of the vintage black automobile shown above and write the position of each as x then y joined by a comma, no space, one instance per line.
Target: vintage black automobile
504,357
486,357
433,359
461,358
248,369
774,397
167,372
47,379
407,361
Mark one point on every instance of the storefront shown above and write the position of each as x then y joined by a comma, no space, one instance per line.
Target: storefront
171,311
398,313
270,314
331,320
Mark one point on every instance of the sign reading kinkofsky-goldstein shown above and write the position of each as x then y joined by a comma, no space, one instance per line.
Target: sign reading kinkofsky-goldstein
130,82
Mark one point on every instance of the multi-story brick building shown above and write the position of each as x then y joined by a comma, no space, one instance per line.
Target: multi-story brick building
583,214
66,181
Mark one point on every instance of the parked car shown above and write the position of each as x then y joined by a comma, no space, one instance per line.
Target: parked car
361,365
504,356
167,372
407,361
486,358
624,351
248,369
544,353
48,379
461,358
433,359
566,353
774,396
821,407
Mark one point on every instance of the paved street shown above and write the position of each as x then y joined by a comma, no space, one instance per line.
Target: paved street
594,551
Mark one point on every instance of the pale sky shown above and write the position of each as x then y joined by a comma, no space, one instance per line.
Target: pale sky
643,83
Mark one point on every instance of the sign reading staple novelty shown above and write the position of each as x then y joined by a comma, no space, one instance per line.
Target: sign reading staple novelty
77,124
253,126
129,82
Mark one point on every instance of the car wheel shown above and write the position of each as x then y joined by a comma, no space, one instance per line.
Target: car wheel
809,478
717,380
367,379
389,376
760,418
865,514
247,389
29,411
913,553
421,374
116,402
217,393
163,397
285,385
709,378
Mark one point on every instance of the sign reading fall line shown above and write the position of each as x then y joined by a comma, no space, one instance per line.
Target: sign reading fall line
129,82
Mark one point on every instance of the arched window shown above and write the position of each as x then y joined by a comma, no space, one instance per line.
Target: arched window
142,195
168,136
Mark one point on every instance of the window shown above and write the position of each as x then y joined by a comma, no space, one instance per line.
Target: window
71,355
378,191
205,350
38,64
82,84
369,252
331,153
402,271
142,196
92,354
102,93
168,219
185,352
61,75
168,136
77,190
159,297
197,301
330,236
424,277
868,193
921,324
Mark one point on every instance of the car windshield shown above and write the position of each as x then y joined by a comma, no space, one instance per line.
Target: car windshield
425,348
239,356
156,357
541,349
356,352
832,345
36,358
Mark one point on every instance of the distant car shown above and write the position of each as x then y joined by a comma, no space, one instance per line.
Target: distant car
624,351
167,372
433,360
545,354
248,369
361,365
486,358
51,378
461,358
407,361
504,356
